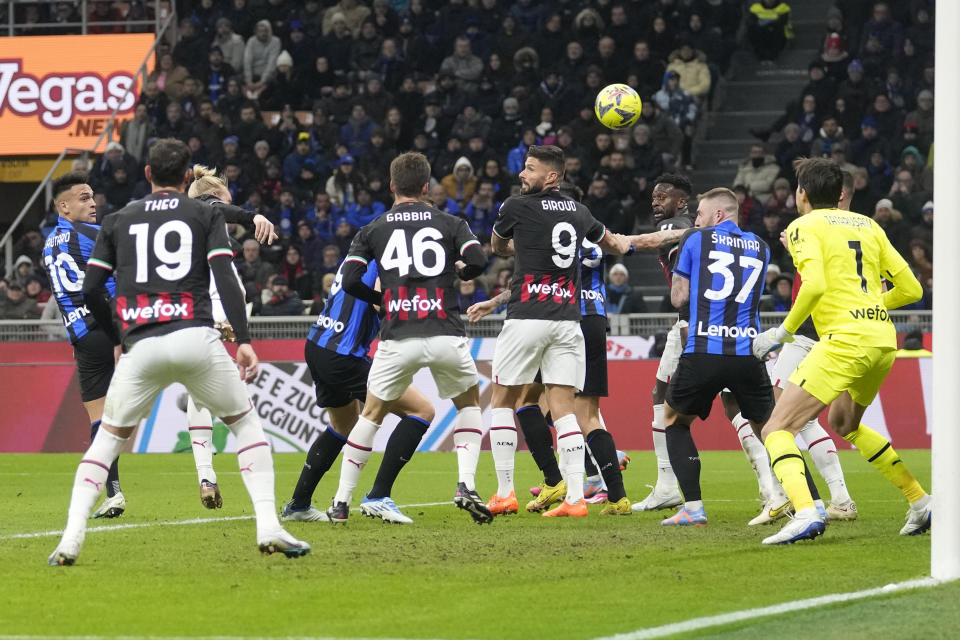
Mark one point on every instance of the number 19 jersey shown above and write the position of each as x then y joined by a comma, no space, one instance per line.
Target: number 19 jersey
415,246
547,230
158,249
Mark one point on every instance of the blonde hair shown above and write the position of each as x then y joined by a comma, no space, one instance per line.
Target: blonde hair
205,180
730,203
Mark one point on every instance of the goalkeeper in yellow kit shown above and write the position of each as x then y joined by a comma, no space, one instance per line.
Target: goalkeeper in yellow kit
841,258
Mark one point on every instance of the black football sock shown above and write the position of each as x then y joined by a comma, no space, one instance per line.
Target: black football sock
685,460
590,469
605,452
113,475
540,442
323,452
400,448
814,492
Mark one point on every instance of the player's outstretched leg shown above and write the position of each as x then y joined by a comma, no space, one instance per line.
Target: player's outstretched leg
666,492
200,429
685,461
790,468
571,445
356,453
256,470
323,452
877,451
399,450
115,504
503,445
825,458
88,482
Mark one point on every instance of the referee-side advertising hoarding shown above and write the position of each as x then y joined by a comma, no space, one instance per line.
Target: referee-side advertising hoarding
59,91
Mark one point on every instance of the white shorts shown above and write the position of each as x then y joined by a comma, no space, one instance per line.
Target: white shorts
194,357
554,347
671,352
396,361
789,358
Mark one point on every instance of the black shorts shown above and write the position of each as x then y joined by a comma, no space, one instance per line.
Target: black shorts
701,376
594,330
94,355
339,379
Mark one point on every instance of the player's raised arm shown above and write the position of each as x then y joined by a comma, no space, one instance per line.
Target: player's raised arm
211,188
353,268
656,240
220,259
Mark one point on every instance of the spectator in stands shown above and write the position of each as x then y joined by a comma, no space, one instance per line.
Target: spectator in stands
285,87
286,213
621,298
230,45
438,196
892,223
102,174
16,305
119,189
252,269
757,172
789,149
461,183
924,230
169,76
887,32
830,134
771,224
250,128
342,185
23,269
921,262
922,116
36,291
463,65
469,293
863,199
834,58
751,210
661,38
773,271
604,205
260,59
782,200
907,195
682,109
295,160
691,65
483,207
294,270
135,132
856,90
283,302
155,101
868,142
352,11
880,173
644,73
889,119
839,152
664,132
769,29
191,49
174,126
365,210
781,295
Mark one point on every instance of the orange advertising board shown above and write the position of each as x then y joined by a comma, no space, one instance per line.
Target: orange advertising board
59,91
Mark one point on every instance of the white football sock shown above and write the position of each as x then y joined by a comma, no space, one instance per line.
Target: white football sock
666,479
356,453
200,430
256,470
824,453
503,445
89,481
758,458
570,445
467,437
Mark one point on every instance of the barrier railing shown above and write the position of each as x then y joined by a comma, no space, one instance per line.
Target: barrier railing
296,327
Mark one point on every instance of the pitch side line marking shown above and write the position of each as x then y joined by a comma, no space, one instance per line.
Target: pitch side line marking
172,523
90,637
696,624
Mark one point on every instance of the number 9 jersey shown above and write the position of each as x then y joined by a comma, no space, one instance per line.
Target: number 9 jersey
548,229
65,256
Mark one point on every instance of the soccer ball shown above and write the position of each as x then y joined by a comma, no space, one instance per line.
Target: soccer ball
617,106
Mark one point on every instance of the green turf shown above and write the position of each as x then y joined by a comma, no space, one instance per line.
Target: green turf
444,577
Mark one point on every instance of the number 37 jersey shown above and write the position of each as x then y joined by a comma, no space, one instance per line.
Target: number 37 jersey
547,230
415,246
158,249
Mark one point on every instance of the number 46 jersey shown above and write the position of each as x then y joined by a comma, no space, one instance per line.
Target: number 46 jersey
158,249
547,230
65,256
416,246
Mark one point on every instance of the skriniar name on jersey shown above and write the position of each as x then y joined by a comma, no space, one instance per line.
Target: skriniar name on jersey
727,270
65,256
548,229
347,325
161,250
416,247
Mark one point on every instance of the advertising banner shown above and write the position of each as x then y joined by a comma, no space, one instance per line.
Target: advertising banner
43,411
59,91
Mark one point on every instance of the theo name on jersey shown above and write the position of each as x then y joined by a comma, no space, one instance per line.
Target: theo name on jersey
727,270
65,256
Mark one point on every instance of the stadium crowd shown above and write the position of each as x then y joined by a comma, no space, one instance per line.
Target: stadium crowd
302,105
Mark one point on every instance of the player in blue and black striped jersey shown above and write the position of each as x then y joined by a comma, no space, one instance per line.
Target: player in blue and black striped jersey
720,277
65,256
336,353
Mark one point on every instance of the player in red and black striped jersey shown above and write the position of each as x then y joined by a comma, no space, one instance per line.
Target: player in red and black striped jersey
419,250
161,250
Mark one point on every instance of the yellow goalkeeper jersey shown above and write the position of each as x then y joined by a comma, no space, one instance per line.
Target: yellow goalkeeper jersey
841,257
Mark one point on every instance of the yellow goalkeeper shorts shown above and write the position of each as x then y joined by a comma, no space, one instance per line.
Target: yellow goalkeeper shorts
833,367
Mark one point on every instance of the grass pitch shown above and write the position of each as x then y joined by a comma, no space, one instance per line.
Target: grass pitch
445,577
